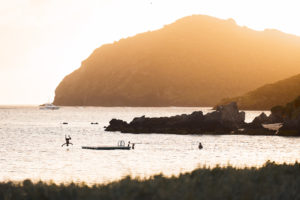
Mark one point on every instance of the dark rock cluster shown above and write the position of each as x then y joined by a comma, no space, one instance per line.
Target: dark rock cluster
226,119
288,116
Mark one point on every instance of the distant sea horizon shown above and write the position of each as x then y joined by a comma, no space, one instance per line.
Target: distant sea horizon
11,106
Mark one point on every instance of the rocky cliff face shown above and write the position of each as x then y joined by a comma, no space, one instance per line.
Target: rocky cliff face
196,61
268,96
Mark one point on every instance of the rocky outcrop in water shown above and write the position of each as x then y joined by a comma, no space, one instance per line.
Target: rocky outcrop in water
256,126
227,119
291,118
288,116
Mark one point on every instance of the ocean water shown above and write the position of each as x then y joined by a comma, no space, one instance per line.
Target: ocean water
31,139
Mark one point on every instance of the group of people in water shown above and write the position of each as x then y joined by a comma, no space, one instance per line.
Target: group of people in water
131,146
68,138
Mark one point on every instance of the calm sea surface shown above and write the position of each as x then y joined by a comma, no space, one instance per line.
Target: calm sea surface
31,139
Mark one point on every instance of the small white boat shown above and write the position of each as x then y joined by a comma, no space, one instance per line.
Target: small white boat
48,106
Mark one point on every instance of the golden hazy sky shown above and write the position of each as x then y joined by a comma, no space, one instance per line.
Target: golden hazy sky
44,40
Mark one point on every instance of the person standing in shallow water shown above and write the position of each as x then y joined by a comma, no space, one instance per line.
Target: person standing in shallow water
67,141
200,146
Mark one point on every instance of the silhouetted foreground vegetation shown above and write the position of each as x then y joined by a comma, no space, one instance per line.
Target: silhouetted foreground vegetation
271,181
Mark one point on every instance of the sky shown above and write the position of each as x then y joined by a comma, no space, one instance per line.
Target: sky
41,41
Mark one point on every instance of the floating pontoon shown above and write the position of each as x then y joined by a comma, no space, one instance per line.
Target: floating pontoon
121,146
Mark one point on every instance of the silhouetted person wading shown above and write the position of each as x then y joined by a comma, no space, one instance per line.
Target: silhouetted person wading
200,146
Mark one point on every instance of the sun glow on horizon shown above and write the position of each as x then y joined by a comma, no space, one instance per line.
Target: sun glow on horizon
42,41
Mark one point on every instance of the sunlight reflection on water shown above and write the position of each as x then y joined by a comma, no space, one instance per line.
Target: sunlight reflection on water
31,141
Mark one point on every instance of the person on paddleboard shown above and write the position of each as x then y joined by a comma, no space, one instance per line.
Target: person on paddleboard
67,141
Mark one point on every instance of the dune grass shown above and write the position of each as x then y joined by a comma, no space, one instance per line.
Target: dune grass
271,181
